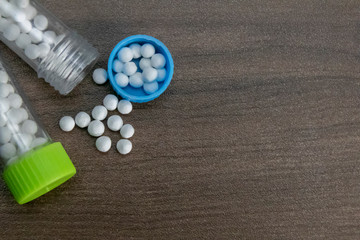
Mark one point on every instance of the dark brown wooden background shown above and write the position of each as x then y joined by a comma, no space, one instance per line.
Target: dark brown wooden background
258,136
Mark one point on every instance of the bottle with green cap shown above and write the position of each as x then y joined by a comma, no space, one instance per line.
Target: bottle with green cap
33,163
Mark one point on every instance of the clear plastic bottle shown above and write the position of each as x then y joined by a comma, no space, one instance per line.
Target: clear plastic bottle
58,54
33,163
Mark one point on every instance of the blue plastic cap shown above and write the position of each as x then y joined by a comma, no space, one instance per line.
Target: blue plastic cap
138,94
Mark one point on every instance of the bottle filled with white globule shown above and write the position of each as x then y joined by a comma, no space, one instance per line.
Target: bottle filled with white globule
58,54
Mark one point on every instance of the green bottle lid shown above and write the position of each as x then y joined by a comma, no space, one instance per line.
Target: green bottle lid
38,171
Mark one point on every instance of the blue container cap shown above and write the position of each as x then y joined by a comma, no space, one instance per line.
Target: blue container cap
138,94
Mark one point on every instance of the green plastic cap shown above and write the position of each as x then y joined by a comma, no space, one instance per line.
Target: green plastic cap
37,172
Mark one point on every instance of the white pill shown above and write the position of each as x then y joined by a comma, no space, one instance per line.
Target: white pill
96,128
29,126
4,77
12,32
49,37
127,131
36,35
4,105
11,88
103,144
32,51
15,100
14,116
147,50
30,12
110,102
136,49
44,49
7,151
125,107
125,54
136,80
124,146
99,113
114,123
149,74
129,68
5,135
4,23
158,60
22,3
117,66
67,123
144,63
3,120
38,141
152,87
82,119
122,80
4,90
18,15
25,26
41,22
161,74
99,76
22,140
23,41
24,114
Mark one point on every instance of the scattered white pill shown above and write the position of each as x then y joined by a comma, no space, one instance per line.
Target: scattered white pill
122,80
29,126
12,32
4,23
82,119
4,105
30,12
4,90
158,60
124,146
32,51
23,40
44,49
96,128
152,87
149,74
15,100
4,77
103,144
37,142
67,123
49,37
127,131
36,35
136,49
129,68
125,54
147,50
136,80
41,22
5,135
144,63
117,66
110,102
99,76
114,123
125,107
22,3
7,151
99,112
25,26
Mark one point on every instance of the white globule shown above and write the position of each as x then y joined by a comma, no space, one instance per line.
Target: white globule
96,128
122,80
110,102
25,26
36,35
4,77
32,51
103,144
136,80
49,37
125,107
22,3
29,126
16,116
23,40
115,123
117,66
136,49
15,100
127,131
158,60
161,74
152,87
99,112
99,76
67,123
3,120
11,88
125,54
144,63
7,151
30,12
38,141
12,32
5,135
82,119
129,68
4,104
23,140
124,146
3,24
147,50
41,22
4,90
149,74
44,49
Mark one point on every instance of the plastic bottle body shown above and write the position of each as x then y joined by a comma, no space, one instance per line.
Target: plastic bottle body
59,55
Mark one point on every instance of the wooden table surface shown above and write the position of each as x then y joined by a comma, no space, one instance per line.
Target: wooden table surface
257,137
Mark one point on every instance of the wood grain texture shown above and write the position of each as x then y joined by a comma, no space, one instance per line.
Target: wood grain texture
257,137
